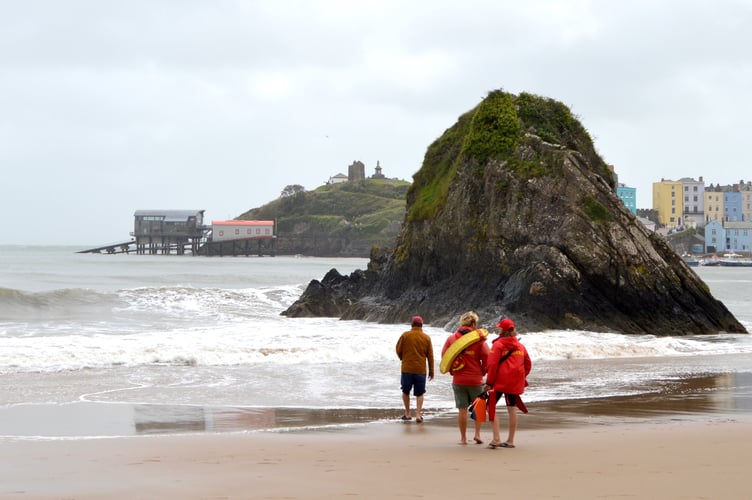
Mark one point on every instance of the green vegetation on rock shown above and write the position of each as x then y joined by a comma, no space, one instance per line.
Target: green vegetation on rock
597,212
495,130
357,214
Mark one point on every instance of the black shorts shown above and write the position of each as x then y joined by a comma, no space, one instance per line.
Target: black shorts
510,399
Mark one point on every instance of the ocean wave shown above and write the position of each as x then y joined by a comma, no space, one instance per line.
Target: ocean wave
85,311
286,343
22,305
572,344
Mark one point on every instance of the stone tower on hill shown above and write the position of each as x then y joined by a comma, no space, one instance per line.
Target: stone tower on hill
356,171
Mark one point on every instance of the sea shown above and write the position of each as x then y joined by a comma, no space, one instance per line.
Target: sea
101,345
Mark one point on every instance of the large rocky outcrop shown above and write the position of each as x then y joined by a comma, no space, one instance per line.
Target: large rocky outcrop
513,212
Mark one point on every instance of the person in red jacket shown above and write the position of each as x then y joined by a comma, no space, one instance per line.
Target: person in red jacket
467,380
508,367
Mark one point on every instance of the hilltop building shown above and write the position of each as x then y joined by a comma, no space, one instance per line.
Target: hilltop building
337,179
356,171
378,174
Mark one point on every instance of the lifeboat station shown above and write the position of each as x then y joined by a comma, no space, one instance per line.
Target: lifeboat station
181,232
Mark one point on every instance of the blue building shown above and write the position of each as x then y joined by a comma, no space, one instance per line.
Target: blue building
728,237
715,237
738,236
628,196
732,206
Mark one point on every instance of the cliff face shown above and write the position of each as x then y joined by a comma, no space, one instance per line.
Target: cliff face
513,212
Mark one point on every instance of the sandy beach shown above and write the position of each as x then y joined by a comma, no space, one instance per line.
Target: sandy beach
701,458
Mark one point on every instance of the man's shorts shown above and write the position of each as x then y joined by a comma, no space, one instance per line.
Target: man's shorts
465,394
415,382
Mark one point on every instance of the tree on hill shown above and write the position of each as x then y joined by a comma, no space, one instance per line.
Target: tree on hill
291,189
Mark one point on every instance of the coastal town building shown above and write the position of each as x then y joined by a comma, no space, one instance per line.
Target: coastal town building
728,236
693,204
680,203
713,205
628,196
667,201
730,203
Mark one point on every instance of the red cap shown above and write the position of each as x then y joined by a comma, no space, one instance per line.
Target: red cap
417,321
506,324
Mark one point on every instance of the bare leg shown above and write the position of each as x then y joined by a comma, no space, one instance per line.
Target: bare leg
496,431
512,410
406,403
462,422
419,404
478,426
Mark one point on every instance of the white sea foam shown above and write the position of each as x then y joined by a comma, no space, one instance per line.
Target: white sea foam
195,331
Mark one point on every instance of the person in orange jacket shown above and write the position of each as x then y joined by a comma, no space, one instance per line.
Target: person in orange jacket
415,350
467,379
508,367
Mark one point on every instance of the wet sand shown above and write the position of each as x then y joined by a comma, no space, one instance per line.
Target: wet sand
699,458
690,442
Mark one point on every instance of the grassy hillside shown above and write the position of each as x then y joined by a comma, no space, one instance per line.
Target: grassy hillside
341,216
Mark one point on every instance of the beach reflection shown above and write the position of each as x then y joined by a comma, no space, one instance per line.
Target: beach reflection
669,398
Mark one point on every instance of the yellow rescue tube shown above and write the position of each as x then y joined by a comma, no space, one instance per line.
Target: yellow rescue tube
460,345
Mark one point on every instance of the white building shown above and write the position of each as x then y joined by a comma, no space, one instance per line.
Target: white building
226,230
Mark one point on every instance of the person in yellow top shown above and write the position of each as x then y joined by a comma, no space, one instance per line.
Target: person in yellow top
415,350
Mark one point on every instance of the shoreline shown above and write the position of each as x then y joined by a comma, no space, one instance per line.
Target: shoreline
692,399
659,459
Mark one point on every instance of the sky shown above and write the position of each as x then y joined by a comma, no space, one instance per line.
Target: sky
108,107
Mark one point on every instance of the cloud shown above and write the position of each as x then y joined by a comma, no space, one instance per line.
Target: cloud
111,107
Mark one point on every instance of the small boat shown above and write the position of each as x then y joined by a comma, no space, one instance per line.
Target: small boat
690,260
710,261
734,260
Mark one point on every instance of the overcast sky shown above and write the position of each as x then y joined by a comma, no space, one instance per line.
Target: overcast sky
109,107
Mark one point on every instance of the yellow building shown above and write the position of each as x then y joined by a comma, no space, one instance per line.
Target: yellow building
667,201
713,206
